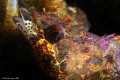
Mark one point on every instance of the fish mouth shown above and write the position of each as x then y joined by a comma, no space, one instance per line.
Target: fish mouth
25,23
15,20
25,14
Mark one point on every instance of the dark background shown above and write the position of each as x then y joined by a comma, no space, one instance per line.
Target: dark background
104,15
16,57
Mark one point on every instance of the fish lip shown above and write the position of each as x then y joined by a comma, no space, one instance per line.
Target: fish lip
25,14
14,20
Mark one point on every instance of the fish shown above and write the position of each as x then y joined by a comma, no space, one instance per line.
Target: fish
65,51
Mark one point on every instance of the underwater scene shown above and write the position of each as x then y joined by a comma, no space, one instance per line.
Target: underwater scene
60,39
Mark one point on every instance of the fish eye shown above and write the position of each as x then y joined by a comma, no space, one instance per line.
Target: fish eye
54,33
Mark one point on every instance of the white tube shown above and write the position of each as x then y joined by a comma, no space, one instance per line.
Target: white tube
11,10
12,7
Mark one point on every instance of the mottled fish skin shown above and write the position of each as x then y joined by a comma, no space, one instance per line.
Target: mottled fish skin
50,19
64,51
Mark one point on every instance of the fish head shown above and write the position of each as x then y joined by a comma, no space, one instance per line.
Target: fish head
58,44
36,26
25,23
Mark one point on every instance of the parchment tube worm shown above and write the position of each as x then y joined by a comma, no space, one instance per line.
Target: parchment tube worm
11,10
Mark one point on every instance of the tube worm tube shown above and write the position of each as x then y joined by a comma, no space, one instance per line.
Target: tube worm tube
11,10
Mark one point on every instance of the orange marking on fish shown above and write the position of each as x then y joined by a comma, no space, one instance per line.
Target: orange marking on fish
80,27
43,16
66,18
56,31
81,34
68,25
112,34
105,34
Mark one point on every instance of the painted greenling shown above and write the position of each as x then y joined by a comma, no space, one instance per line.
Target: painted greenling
65,51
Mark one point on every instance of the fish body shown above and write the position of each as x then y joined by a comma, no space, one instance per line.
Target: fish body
65,51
